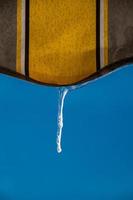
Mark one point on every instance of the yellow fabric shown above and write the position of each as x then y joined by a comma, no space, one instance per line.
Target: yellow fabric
62,40
106,45
18,52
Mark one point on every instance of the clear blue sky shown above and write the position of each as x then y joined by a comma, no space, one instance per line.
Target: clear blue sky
97,158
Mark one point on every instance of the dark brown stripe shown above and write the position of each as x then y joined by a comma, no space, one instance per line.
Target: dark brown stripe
120,29
8,33
27,38
98,35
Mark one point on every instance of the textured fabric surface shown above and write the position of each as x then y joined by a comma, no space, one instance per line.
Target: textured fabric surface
62,40
8,33
120,29
65,38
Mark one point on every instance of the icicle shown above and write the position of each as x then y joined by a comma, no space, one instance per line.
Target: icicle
62,94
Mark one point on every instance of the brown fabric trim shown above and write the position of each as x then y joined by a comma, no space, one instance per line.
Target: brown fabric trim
109,68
